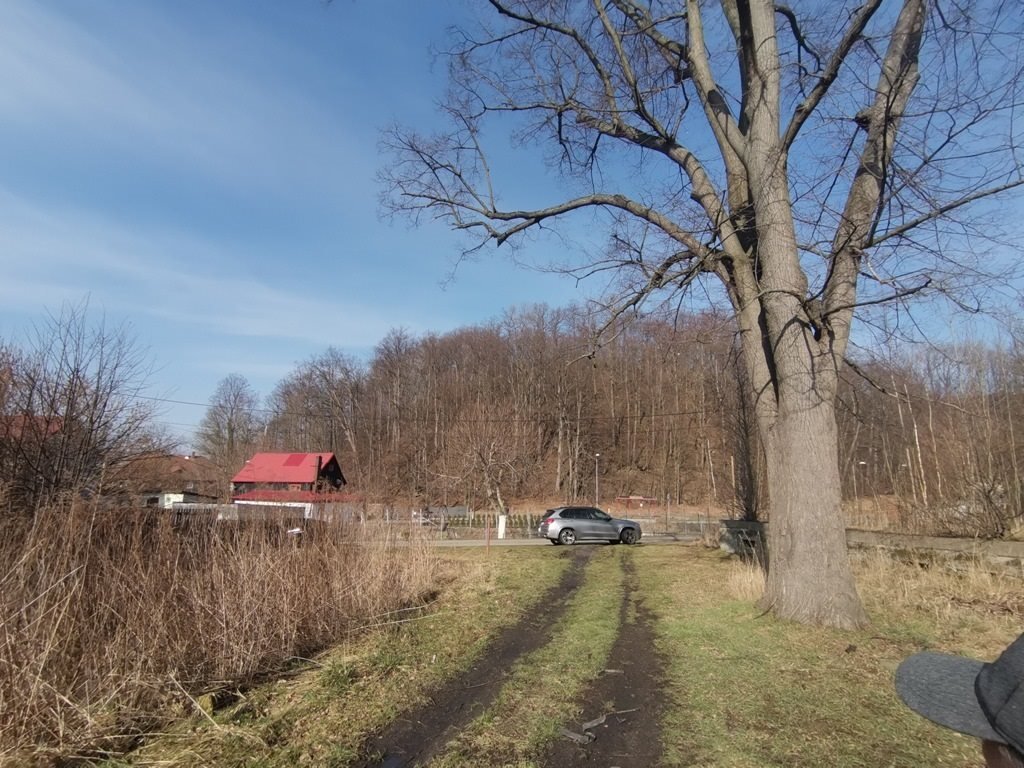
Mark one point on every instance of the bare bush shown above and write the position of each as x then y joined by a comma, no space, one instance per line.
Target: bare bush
983,509
112,619
70,406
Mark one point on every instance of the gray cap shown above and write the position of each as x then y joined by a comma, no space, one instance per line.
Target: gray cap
969,696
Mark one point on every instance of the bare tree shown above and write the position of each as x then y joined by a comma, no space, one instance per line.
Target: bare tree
232,428
807,161
317,408
488,447
70,407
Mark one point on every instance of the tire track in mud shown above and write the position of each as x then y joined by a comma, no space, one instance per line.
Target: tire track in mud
628,694
419,735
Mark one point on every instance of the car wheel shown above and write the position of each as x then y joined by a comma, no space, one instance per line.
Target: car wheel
567,536
628,536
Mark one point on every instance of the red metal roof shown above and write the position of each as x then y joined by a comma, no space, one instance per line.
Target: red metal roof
282,468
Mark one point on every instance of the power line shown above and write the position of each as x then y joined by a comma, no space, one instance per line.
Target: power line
175,424
178,402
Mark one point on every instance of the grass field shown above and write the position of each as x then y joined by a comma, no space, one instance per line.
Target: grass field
747,690
740,689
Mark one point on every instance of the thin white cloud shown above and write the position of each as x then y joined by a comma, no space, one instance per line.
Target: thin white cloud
163,96
52,255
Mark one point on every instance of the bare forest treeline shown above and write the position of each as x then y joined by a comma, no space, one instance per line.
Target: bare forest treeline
521,408
524,408
936,428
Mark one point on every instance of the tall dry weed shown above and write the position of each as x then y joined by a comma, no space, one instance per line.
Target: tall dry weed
953,594
108,617
746,580
957,594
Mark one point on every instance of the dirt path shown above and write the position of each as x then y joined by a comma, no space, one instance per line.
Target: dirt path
628,695
417,736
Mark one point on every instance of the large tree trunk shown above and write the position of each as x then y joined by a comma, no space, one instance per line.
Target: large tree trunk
794,366
794,381
809,576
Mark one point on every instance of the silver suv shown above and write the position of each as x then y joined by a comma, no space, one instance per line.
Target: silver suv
567,525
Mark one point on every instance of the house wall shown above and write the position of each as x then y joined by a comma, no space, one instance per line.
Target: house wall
239,488
167,499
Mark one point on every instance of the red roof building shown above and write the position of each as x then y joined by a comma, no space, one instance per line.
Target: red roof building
161,480
23,425
278,474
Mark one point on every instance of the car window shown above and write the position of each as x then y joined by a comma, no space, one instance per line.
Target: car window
570,514
599,515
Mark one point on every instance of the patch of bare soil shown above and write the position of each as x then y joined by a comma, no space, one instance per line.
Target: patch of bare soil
622,709
417,736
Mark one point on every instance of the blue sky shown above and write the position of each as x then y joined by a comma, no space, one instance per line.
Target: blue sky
205,172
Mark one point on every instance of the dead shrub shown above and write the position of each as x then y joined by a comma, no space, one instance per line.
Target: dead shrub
112,619
746,580
956,593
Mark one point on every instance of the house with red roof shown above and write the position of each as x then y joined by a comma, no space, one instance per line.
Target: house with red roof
162,480
288,477
24,425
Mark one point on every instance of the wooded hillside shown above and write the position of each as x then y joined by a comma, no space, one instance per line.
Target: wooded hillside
521,408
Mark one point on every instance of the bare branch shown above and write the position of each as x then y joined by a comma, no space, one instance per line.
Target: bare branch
571,34
839,56
720,119
895,85
801,41
941,211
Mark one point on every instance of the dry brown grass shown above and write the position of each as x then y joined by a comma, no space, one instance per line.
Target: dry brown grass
113,620
967,597
975,604
878,513
746,581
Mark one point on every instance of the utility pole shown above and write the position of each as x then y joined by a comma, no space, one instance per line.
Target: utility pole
597,480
